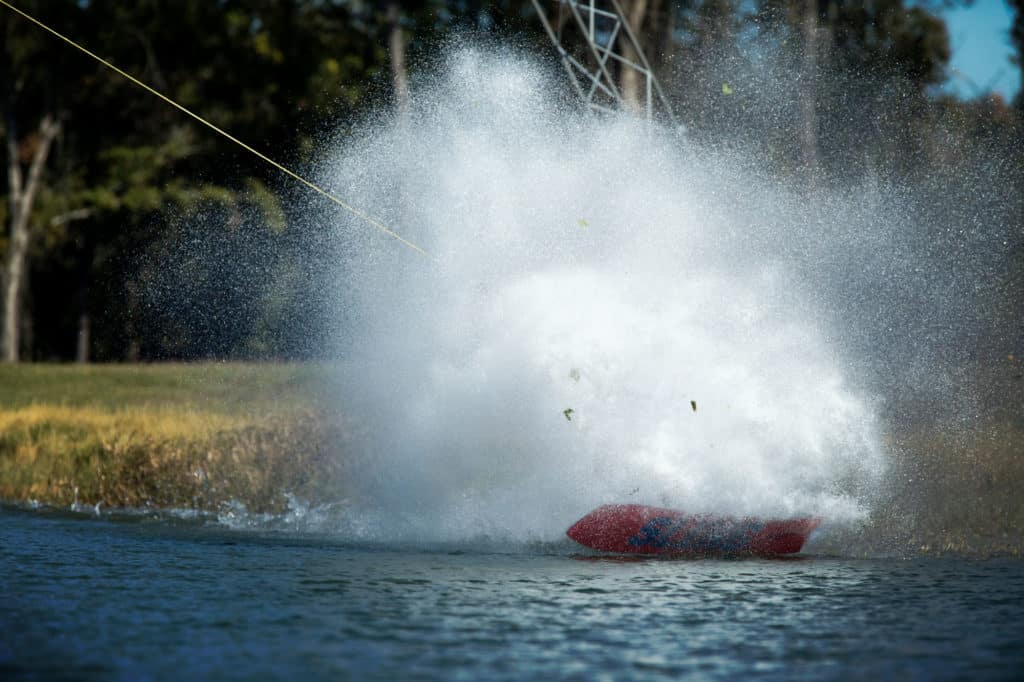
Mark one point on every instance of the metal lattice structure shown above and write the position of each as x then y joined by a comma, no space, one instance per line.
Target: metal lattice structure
591,37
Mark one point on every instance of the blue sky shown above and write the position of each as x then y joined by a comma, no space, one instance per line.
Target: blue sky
980,37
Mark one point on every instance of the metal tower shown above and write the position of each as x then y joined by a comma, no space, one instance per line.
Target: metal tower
591,34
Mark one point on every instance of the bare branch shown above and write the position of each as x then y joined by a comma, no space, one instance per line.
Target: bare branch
70,216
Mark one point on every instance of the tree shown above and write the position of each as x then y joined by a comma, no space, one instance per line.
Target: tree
396,50
862,70
1017,39
27,154
811,47
636,14
121,176
706,50
23,187
272,74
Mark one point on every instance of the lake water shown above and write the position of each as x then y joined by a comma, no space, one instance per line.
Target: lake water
165,599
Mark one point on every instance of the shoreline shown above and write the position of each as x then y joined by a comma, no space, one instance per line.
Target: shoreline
207,437
167,436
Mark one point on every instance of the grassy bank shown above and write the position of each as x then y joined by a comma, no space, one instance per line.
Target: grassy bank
200,435
170,435
958,490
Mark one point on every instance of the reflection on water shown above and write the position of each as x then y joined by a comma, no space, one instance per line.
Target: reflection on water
96,598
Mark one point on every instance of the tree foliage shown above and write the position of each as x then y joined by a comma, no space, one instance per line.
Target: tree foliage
126,167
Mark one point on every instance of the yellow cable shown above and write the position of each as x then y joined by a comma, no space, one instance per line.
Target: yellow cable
351,209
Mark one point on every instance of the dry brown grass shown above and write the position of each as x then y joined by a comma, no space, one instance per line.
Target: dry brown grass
183,450
959,491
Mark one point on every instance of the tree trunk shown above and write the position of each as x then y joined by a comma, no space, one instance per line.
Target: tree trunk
82,343
396,45
808,92
667,49
133,348
1017,40
632,86
22,195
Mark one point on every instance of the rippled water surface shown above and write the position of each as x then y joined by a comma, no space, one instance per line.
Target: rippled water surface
148,599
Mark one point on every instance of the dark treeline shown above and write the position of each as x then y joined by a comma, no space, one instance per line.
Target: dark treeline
133,233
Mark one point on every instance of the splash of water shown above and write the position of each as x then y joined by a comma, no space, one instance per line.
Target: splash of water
608,316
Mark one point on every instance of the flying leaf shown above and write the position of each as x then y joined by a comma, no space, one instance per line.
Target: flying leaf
568,414
693,404
726,90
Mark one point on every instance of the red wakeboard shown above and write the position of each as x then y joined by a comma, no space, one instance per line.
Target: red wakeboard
638,529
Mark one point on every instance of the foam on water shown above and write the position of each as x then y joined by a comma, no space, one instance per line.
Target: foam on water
592,265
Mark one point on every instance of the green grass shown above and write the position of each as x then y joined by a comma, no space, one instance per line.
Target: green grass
169,435
227,388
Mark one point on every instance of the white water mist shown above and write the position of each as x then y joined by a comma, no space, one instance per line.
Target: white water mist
589,282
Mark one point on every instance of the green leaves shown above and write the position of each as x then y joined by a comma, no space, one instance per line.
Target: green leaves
269,205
